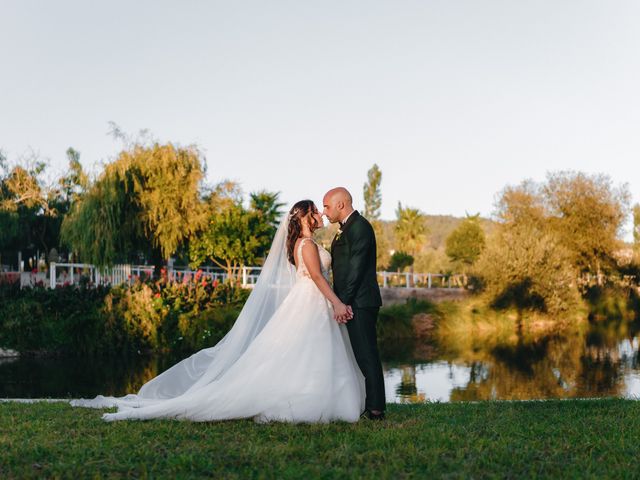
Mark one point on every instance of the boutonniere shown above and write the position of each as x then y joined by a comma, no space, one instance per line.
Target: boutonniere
338,234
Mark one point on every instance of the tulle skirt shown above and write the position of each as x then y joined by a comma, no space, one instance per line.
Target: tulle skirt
299,368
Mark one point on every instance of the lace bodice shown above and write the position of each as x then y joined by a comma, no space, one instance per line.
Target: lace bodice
325,260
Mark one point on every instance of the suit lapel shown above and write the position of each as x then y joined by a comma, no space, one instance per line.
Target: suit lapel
350,220
344,228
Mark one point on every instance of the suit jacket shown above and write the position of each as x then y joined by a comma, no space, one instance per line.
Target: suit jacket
353,261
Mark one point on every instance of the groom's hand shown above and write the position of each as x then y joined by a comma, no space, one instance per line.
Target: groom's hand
340,313
348,315
349,312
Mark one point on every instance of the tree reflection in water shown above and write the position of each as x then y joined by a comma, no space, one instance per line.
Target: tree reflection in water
589,360
594,359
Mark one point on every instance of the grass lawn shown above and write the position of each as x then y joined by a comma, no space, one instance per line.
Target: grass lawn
553,439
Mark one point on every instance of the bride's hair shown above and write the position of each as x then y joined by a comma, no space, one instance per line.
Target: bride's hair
300,210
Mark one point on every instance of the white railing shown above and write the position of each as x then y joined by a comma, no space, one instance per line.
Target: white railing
421,280
248,275
61,274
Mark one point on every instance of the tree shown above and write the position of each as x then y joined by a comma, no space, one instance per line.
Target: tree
588,214
23,188
267,211
29,218
524,265
410,229
548,236
372,195
465,244
147,200
400,261
233,236
229,240
372,204
74,183
636,226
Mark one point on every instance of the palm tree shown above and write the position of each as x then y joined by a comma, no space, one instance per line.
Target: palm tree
411,231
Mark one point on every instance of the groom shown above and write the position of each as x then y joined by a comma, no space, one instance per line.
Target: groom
353,261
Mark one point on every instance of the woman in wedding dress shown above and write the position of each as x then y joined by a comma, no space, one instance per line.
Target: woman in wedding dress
285,359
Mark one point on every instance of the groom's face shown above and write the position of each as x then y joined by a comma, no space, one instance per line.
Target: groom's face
331,209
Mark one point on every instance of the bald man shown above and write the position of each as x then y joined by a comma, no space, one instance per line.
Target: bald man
353,262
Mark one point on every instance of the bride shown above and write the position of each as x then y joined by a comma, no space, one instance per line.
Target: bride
285,359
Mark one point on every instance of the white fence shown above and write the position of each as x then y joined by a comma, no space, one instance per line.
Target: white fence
420,280
61,274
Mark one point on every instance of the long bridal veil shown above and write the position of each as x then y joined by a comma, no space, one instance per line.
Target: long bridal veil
207,365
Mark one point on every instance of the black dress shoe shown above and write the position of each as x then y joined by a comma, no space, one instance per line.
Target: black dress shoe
375,416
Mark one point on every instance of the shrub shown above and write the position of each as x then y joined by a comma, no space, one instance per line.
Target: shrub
145,317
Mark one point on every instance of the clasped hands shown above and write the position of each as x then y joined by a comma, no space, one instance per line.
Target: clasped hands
342,313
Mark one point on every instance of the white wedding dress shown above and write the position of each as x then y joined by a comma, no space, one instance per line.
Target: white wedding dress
297,365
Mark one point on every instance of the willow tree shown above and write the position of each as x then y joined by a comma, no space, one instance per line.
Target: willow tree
147,200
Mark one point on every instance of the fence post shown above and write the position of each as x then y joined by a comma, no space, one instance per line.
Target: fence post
72,266
52,275
385,281
428,280
406,277
244,276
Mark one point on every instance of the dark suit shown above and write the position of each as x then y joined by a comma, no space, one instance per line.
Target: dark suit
353,261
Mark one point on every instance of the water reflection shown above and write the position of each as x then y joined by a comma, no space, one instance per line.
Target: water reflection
601,360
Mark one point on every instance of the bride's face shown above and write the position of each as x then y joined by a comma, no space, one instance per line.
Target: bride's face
317,216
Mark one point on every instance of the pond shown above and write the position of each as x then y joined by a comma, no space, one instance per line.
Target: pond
600,359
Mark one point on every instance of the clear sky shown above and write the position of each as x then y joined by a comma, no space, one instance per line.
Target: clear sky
453,99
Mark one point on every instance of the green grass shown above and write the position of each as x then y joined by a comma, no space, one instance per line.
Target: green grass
561,439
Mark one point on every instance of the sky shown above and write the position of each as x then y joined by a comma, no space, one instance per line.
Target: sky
453,99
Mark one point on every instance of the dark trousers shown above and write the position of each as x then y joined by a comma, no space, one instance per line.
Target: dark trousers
362,333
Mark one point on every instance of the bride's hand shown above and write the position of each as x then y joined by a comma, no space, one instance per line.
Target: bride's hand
340,312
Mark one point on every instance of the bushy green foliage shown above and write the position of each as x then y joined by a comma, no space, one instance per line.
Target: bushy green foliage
234,236
549,237
146,317
31,210
466,242
399,261
526,267
587,213
394,321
